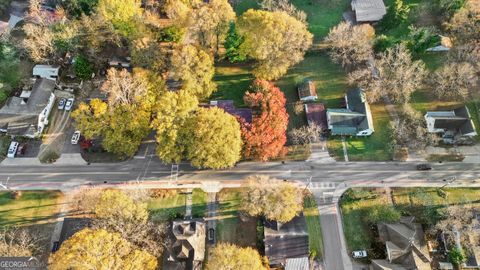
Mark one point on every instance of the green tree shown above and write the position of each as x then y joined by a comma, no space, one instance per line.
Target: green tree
123,14
397,13
102,250
172,109
232,45
212,138
456,256
78,7
209,23
9,69
82,67
272,198
227,256
194,68
274,39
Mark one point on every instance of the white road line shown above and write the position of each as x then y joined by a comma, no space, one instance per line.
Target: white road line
66,173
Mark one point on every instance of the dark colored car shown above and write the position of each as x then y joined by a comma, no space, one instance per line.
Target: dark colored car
55,247
22,148
211,235
424,167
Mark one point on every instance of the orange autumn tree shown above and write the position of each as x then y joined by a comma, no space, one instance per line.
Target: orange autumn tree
265,137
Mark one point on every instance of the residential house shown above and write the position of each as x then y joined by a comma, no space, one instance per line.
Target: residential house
316,115
27,115
307,91
228,106
454,126
188,250
284,242
405,246
46,72
355,119
368,10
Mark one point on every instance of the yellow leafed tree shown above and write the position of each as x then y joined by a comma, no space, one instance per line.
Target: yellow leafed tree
227,256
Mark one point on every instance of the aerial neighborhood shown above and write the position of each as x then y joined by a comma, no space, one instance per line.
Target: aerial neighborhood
240,134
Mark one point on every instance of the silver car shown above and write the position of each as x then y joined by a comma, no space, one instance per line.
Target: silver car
75,137
359,254
69,104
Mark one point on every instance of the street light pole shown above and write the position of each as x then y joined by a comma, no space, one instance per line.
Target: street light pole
449,182
308,183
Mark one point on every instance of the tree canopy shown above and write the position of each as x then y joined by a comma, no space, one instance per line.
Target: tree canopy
274,39
212,138
266,136
227,256
276,200
102,250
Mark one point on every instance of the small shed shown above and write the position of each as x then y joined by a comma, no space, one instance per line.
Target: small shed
368,10
297,264
307,91
46,72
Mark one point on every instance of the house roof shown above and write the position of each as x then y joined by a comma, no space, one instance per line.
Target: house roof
228,106
316,114
458,119
190,240
285,241
20,115
356,117
307,89
297,264
368,10
404,242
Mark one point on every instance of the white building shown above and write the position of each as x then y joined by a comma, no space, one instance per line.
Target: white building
27,115
46,72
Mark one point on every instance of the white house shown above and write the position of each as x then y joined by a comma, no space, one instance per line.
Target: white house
355,120
451,125
46,72
27,115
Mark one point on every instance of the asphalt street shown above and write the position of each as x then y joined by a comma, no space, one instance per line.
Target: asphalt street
151,169
326,180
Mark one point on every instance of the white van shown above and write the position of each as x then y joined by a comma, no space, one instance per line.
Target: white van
12,150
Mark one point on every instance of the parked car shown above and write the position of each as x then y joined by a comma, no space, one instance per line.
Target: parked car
55,246
69,104
61,103
359,254
22,148
12,150
76,137
424,167
211,235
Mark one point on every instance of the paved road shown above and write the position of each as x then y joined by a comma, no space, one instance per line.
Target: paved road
353,173
327,182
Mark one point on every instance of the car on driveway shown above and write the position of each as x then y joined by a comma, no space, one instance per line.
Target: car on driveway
76,137
61,103
69,104
12,150
359,254
22,148
424,167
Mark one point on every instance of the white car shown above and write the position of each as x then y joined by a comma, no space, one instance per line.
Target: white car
76,137
359,254
12,150
69,104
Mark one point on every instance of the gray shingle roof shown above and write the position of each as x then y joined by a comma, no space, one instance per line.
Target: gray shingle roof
368,10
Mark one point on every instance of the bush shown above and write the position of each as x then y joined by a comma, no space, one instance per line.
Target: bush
383,42
397,13
171,34
382,213
82,68
420,39
456,256
49,157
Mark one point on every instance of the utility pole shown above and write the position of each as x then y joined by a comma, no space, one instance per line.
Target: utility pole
6,184
174,172
308,183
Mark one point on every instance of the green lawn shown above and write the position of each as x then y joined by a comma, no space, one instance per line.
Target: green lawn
230,228
372,148
312,217
357,233
232,80
417,202
32,207
4,144
173,205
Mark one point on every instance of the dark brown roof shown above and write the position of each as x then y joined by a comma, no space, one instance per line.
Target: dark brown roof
316,114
